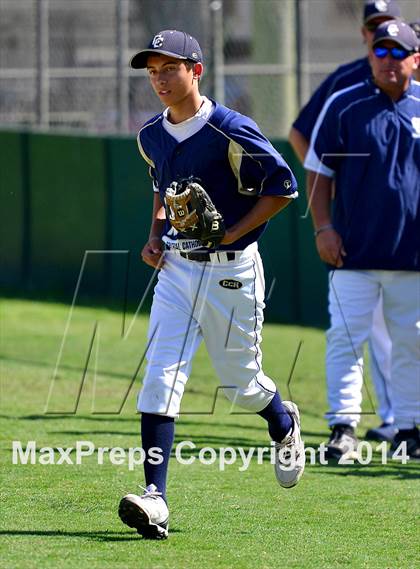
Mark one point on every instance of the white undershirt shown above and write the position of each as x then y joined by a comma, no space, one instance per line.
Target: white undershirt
187,128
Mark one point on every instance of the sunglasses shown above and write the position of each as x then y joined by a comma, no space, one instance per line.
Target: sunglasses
396,52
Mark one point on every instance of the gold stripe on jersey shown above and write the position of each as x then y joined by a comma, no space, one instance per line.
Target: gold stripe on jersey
235,153
143,153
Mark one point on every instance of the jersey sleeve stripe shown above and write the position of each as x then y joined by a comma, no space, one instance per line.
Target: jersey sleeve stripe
235,153
352,104
292,196
312,162
340,76
240,151
143,153
141,149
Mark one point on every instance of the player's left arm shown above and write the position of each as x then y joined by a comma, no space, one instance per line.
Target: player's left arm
256,163
258,166
265,208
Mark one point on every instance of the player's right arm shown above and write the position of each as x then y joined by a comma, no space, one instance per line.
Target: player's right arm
152,251
321,162
328,242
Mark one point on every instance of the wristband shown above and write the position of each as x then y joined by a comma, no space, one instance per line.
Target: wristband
323,228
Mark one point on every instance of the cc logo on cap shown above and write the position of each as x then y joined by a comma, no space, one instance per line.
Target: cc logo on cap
157,41
393,30
381,5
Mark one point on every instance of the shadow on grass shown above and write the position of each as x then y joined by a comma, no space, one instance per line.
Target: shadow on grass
196,439
180,437
95,535
136,418
409,471
67,367
63,416
261,427
90,432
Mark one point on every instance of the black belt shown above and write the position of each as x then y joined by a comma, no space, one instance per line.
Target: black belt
204,256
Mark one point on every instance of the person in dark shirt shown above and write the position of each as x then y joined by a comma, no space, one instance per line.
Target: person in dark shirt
348,74
367,141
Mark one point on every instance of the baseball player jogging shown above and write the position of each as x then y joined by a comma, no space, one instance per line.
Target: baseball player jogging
217,181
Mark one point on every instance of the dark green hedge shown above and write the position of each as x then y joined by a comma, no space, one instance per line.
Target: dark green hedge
73,201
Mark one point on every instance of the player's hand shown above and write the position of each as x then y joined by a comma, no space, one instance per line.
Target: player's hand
152,253
330,247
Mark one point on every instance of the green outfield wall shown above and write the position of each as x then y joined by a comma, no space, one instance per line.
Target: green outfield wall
75,213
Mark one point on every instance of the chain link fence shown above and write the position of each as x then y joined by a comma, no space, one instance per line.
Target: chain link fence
64,64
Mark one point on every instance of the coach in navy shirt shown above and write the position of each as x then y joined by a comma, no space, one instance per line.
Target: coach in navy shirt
375,13
367,140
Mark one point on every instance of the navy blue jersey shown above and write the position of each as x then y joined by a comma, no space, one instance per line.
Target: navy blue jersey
371,145
343,77
234,161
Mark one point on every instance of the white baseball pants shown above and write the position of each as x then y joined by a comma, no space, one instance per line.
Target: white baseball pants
380,347
353,296
190,305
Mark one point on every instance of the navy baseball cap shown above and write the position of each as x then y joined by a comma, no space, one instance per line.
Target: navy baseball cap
377,8
169,42
399,32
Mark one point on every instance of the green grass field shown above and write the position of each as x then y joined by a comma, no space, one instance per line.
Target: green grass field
65,515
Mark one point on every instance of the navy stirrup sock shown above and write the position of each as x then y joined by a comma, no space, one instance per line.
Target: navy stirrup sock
278,419
157,431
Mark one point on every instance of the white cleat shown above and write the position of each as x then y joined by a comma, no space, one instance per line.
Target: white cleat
290,453
148,513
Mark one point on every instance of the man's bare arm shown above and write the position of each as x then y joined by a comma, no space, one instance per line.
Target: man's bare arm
319,189
299,143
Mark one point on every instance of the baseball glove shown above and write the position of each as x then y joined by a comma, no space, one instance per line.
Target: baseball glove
190,210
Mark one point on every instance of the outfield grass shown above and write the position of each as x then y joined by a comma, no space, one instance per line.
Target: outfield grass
57,516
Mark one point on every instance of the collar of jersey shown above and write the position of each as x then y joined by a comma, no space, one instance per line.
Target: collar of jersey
409,91
202,111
